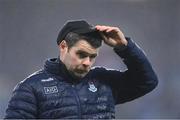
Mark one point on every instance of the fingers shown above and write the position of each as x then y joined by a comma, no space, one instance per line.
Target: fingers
112,35
105,37
107,29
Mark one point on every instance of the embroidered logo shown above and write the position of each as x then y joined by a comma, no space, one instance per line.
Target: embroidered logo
92,87
46,80
50,90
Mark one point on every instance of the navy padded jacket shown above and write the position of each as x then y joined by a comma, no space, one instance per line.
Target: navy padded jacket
52,93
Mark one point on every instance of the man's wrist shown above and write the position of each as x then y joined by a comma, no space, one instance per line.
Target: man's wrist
124,50
120,47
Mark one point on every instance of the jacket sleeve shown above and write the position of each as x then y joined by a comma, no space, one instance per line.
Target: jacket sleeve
135,82
22,103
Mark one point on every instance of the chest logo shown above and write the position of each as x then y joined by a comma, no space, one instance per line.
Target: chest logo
92,87
47,80
50,90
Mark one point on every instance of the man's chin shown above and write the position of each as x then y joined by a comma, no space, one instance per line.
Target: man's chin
80,75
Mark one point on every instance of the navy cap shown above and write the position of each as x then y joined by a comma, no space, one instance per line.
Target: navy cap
76,26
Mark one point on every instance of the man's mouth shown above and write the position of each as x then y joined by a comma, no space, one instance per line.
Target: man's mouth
80,71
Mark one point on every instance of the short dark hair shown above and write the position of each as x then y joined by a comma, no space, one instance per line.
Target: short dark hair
93,38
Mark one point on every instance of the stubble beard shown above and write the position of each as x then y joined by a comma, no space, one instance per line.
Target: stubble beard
78,74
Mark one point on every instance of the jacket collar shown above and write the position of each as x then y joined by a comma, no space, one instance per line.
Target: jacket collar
53,66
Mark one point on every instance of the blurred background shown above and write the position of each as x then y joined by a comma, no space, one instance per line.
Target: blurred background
29,28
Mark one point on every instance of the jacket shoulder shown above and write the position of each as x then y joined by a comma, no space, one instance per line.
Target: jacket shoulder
101,72
23,101
100,69
35,77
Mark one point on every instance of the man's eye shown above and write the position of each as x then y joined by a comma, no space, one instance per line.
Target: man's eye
93,56
82,55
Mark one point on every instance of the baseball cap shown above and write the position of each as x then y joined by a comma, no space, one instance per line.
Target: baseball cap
76,26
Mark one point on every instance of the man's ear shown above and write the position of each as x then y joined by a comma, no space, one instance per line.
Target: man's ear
63,49
63,46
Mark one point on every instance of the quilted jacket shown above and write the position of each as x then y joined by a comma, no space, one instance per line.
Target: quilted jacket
52,93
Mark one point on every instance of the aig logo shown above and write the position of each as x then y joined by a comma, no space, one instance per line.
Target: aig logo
50,90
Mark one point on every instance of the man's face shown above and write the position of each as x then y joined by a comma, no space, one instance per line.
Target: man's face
79,58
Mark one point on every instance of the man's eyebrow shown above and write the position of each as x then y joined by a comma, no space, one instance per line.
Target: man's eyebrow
86,53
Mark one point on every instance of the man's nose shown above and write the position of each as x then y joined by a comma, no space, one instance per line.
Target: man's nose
87,61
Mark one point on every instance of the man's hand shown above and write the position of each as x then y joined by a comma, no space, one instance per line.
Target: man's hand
113,36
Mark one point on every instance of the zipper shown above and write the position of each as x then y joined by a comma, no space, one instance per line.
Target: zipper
78,101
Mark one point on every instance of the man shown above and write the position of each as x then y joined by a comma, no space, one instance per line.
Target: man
67,86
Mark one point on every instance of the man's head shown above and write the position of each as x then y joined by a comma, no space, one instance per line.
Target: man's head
79,44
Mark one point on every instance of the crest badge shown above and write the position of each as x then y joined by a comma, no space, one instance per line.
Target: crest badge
92,87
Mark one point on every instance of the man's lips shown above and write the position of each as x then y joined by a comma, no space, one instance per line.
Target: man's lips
81,71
